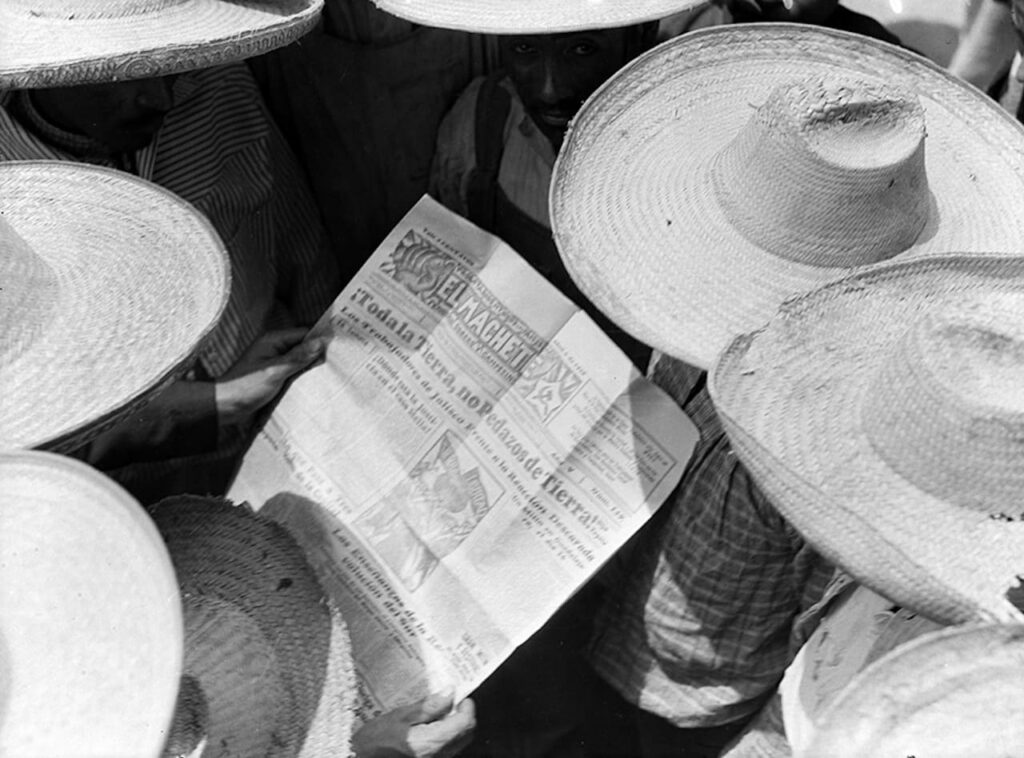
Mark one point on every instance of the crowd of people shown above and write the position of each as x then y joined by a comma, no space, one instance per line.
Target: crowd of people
804,232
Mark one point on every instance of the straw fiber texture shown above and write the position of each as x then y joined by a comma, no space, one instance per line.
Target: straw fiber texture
949,694
532,16
190,724
270,653
883,415
729,168
91,628
50,43
109,285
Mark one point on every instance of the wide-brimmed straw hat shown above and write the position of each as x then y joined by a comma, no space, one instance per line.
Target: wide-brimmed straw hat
954,693
883,415
532,16
266,653
50,43
108,285
731,167
91,627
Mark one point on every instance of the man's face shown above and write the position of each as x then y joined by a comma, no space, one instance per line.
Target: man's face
555,73
122,116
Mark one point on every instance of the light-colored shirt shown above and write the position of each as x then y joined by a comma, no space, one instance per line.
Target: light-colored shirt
526,163
698,630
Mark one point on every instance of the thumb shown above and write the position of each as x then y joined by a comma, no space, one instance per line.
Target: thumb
280,369
446,736
305,353
280,340
432,708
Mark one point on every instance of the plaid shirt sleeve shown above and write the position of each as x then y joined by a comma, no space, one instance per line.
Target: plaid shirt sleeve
698,630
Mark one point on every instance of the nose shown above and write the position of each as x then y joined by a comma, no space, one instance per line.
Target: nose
552,89
156,94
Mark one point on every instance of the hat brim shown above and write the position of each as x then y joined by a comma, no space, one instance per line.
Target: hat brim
269,650
41,50
533,16
141,278
636,220
950,693
91,629
791,398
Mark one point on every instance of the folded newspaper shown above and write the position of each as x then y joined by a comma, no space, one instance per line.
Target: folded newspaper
471,451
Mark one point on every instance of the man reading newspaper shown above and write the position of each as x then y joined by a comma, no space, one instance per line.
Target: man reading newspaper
471,451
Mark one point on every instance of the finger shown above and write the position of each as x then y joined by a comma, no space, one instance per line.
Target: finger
433,707
276,371
304,354
445,736
281,340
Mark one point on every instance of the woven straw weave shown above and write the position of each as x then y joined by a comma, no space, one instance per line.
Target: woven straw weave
51,43
109,285
732,167
532,16
949,694
91,628
883,415
270,653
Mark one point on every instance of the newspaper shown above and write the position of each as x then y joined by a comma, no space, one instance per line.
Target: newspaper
471,450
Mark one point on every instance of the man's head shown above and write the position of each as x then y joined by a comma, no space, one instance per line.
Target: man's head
803,11
555,73
121,116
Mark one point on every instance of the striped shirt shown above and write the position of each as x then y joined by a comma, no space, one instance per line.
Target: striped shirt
218,149
698,629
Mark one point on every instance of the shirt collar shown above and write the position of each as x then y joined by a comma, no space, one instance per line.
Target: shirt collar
78,145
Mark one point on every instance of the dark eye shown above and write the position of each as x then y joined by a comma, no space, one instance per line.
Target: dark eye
583,48
523,48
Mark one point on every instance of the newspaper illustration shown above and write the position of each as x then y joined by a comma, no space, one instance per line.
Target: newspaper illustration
470,452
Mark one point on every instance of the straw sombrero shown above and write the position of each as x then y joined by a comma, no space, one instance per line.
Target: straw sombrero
91,627
266,650
532,16
954,693
51,43
883,415
729,168
108,285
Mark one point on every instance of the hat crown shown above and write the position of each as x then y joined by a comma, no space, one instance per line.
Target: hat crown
28,293
91,9
947,411
828,173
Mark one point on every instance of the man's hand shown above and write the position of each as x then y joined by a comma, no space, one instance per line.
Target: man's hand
260,373
424,730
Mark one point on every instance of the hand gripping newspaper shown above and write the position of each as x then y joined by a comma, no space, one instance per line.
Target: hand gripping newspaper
470,451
